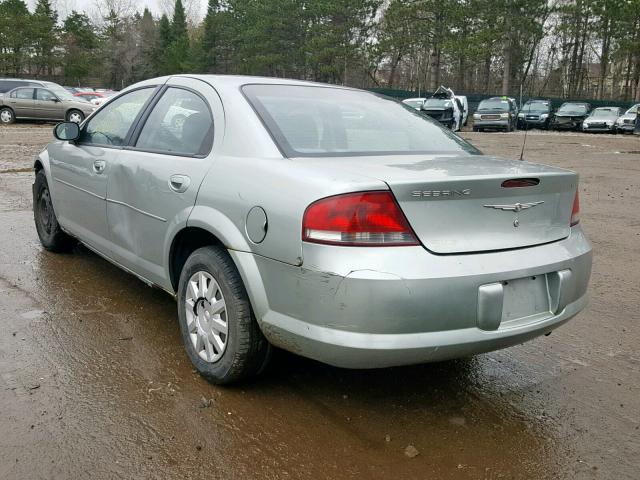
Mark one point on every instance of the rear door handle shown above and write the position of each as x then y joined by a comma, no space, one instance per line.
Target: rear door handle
179,183
99,166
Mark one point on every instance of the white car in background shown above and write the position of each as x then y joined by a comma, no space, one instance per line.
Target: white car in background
465,108
627,122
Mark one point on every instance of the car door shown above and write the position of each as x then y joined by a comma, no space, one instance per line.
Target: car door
48,105
22,101
81,169
153,184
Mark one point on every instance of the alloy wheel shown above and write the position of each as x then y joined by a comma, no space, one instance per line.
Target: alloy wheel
6,116
75,117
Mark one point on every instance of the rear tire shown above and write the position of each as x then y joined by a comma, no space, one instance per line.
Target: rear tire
75,116
219,330
7,117
51,235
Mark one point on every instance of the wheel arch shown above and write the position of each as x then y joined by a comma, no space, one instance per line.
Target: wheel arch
207,226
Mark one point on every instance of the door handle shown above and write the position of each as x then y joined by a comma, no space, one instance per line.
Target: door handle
179,183
99,166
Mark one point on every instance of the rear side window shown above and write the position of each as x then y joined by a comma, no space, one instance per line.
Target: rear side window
42,94
111,125
23,93
180,123
309,121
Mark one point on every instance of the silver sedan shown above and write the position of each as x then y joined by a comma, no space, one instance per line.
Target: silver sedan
328,221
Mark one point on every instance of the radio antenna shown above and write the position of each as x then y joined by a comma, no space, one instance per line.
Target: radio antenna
524,142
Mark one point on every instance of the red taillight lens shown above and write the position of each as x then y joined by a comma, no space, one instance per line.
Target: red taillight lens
357,219
575,212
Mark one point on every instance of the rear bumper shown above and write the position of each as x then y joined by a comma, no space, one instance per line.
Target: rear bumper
371,307
364,350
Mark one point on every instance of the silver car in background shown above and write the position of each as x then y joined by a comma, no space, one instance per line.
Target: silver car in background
47,101
602,119
328,221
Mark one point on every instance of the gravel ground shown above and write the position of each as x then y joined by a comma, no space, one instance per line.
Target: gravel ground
94,381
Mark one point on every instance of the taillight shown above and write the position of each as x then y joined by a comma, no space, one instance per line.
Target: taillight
357,219
575,211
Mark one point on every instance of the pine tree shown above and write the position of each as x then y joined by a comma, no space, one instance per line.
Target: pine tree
15,36
45,36
210,37
80,44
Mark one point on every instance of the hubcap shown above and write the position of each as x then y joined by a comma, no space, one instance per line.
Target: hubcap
75,117
206,313
6,116
45,211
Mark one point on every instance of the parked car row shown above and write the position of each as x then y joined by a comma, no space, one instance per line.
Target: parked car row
502,113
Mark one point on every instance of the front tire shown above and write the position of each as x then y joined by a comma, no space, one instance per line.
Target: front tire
75,116
7,116
219,331
51,235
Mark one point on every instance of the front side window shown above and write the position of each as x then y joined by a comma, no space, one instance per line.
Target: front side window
42,94
309,121
180,123
111,125
23,93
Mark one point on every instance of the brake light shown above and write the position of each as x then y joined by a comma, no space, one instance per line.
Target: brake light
520,182
357,219
575,212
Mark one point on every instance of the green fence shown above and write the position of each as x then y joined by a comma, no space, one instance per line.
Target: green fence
474,99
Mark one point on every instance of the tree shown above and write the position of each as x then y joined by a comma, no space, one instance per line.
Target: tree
146,63
15,36
210,42
80,44
45,35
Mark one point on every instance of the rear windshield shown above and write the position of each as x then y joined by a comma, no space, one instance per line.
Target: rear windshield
494,106
309,121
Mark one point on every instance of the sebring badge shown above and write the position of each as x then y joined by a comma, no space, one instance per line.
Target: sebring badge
515,207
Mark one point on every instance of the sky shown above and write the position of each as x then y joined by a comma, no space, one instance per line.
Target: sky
195,8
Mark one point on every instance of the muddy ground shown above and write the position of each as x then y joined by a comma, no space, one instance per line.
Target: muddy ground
94,382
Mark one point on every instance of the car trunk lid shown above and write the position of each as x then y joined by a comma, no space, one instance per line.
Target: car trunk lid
460,204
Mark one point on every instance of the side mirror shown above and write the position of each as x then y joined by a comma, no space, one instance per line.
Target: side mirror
67,131
55,100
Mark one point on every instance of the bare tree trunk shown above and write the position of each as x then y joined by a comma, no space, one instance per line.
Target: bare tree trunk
392,72
604,59
434,69
506,74
486,74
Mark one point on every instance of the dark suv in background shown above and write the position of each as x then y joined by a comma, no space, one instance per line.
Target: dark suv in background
535,113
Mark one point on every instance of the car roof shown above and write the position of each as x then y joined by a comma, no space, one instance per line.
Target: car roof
40,82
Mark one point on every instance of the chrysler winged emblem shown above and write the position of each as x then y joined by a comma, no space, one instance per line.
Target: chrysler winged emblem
515,207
